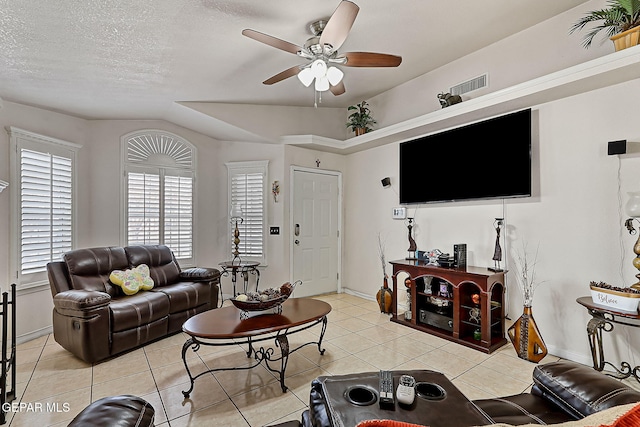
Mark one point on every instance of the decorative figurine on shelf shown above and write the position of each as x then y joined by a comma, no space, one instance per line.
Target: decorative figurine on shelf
446,99
412,243
497,252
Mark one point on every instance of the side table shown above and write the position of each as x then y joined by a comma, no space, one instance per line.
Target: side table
232,268
603,319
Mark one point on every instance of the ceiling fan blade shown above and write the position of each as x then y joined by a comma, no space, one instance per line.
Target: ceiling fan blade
339,25
338,89
290,72
272,41
371,59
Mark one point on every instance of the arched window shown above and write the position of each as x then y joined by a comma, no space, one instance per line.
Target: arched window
159,173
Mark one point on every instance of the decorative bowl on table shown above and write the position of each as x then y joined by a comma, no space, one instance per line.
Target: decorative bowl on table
625,299
264,299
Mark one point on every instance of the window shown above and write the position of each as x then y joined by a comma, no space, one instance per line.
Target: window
43,170
159,175
247,189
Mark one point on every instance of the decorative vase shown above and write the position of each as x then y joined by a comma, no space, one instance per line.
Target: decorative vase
360,131
626,39
385,297
526,338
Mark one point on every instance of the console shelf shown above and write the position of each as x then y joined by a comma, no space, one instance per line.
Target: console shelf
442,303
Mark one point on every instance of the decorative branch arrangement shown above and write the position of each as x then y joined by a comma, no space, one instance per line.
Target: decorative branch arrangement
526,274
382,256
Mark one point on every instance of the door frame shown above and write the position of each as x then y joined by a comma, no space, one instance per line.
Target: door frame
337,174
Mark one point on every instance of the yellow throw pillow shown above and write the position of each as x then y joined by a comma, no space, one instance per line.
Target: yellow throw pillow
133,280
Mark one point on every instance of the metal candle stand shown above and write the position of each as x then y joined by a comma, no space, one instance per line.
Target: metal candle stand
8,363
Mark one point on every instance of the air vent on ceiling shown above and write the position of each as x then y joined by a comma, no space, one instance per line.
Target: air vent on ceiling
470,85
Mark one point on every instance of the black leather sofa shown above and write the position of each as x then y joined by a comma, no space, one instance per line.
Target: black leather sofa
94,319
562,391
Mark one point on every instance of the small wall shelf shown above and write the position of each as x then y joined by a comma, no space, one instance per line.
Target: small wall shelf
618,67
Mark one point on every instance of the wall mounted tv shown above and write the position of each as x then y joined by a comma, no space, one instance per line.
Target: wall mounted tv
485,160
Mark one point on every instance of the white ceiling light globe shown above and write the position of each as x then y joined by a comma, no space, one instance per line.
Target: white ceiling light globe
319,68
305,76
334,75
322,84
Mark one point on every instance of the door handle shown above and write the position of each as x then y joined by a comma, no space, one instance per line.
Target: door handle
296,230
297,242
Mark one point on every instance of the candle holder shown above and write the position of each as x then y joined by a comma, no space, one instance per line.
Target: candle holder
633,210
412,243
236,218
497,252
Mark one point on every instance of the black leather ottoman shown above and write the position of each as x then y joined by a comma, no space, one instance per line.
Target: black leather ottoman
331,404
116,411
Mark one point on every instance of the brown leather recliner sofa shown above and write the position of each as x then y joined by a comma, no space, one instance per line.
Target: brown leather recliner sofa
562,392
94,320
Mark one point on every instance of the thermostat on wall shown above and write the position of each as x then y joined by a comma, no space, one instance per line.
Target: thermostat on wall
399,213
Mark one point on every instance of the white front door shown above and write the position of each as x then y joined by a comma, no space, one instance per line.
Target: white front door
315,231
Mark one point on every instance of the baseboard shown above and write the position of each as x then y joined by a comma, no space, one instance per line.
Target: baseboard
34,334
359,294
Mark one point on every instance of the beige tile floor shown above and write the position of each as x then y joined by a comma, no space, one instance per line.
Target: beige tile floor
358,339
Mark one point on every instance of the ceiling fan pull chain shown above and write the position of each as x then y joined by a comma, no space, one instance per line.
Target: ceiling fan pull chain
315,98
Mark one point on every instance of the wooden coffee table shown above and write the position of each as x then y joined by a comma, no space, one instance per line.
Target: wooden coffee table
226,323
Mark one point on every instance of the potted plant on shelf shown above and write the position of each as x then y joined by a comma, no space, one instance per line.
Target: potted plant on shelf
620,20
360,120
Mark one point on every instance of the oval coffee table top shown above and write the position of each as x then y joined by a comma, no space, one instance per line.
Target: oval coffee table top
225,322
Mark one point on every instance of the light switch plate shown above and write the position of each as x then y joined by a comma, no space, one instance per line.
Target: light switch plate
399,213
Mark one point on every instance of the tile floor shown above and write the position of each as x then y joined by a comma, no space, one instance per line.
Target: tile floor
358,338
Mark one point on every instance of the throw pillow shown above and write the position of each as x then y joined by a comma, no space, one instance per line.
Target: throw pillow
132,280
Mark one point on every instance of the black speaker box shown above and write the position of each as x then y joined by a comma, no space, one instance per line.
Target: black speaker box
617,147
460,255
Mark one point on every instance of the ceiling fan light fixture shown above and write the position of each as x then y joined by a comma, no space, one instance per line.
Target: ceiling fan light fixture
335,75
306,76
319,68
322,84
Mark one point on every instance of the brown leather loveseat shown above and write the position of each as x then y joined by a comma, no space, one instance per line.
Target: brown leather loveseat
94,319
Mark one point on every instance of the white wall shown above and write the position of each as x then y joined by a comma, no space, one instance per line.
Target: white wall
574,217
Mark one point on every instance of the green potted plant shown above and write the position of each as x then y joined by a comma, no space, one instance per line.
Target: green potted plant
361,119
620,20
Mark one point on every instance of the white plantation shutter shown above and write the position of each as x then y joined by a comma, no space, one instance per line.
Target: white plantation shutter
159,199
44,194
247,188
45,210
143,208
178,215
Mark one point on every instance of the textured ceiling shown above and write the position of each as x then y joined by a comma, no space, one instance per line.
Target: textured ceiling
135,59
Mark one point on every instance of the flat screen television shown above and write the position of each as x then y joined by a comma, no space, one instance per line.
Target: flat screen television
484,160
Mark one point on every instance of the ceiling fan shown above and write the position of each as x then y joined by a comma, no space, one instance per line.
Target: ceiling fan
321,51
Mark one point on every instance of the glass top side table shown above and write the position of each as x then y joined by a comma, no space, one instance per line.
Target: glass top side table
232,268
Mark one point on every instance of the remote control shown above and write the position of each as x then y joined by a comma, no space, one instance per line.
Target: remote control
386,389
406,391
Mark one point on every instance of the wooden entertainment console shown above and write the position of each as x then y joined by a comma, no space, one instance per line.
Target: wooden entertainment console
464,305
